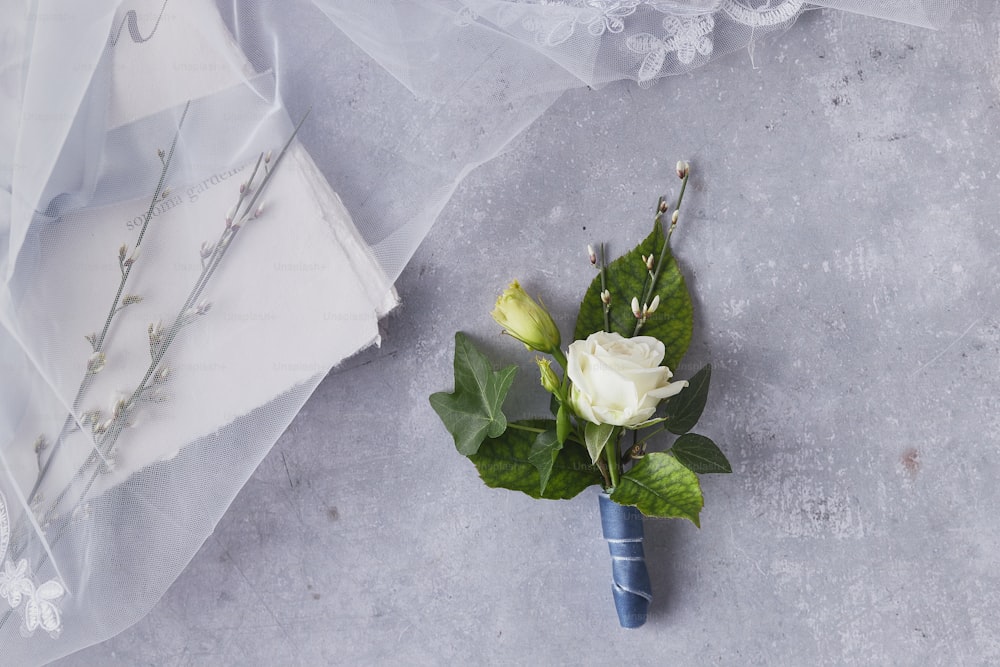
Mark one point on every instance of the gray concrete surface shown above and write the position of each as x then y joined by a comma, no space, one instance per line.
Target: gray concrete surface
841,241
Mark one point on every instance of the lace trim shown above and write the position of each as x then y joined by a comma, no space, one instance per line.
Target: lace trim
685,36
17,584
689,26
765,16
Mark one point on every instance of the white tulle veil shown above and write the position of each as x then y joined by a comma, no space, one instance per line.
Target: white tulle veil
130,418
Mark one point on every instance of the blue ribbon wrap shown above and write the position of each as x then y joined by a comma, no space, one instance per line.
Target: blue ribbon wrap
622,527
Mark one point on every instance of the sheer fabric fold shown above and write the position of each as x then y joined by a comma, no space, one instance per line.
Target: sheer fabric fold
157,332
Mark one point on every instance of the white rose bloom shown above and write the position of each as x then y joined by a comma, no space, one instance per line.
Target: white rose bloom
618,380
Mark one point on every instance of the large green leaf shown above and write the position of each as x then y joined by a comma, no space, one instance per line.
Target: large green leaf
659,485
544,451
684,409
473,411
507,462
699,454
627,277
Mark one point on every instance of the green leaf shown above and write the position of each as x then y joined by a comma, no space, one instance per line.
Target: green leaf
684,409
627,277
563,425
660,486
473,411
699,454
554,404
506,462
597,435
544,451
648,423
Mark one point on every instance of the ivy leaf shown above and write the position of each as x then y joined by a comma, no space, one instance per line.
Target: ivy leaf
699,454
684,409
659,485
473,411
597,435
506,462
544,451
627,277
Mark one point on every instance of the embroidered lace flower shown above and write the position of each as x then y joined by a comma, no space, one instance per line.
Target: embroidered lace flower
17,585
690,29
14,582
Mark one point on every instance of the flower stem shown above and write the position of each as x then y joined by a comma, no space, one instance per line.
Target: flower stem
560,358
611,454
522,427
604,288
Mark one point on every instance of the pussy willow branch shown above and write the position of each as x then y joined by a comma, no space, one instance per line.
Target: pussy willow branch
103,449
604,288
99,340
664,250
234,223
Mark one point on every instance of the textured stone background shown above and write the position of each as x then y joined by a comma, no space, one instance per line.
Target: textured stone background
841,240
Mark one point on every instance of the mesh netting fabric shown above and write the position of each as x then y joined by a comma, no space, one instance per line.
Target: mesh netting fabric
157,332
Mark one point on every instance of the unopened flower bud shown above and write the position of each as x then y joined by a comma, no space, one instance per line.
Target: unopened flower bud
649,261
683,169
260,209
155,333
548,376
606,298
526,320
96,362
243,187
635,308
118,404
122,251
674,217
592,255
663,206
267,158
653,306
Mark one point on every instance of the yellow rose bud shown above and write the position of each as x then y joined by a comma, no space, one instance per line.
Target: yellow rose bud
526,320
549,378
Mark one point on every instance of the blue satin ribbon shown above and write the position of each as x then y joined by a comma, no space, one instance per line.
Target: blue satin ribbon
622,527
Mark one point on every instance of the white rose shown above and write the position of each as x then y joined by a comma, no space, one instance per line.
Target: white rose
618,380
